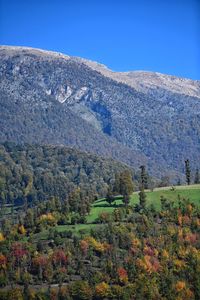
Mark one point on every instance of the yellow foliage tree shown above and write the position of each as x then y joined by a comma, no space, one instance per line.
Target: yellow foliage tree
165,254
97,246
2,238
180,285
3,261
21,229
48,219
102,290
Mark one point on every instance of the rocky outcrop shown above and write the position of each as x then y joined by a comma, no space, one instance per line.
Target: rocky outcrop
135,117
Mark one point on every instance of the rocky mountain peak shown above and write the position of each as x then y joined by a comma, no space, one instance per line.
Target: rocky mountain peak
136,117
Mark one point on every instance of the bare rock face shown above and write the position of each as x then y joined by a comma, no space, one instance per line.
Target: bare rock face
136,117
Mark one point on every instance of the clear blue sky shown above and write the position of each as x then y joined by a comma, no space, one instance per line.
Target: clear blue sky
152,35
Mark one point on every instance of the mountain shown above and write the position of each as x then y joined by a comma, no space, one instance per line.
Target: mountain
152,83
135,117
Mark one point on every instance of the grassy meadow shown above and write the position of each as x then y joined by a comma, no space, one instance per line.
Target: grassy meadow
191,192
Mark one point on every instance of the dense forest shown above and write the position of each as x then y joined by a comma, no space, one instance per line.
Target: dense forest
32,173
60,240
135,252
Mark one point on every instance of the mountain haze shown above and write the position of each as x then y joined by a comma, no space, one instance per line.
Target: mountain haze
135,117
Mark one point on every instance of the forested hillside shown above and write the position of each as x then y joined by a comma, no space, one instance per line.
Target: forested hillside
127,252
32,173
50,98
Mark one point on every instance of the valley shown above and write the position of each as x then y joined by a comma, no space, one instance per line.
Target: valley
99,181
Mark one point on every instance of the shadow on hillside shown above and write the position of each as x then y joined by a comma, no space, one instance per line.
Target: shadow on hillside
103,200
114,205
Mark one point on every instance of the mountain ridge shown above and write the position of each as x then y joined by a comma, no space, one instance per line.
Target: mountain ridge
128,77
128,119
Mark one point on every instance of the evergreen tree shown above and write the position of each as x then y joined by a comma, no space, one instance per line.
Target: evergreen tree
126,186
29,218
110,197
142,199
126,199
197,177
82,210
116,187
187,171
74,200
88,205
126,183
144,179
65,206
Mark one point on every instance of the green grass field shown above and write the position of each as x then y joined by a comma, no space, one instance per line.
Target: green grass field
191,192
76,229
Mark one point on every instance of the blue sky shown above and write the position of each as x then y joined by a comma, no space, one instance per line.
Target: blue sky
152,35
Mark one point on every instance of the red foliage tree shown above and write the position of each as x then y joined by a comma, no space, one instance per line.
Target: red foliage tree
59,257
123,276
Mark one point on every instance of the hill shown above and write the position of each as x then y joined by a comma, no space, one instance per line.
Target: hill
31,173
153,198
135,117
109,258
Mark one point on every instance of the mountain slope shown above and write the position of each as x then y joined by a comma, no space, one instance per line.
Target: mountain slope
51,98
149,82
36,172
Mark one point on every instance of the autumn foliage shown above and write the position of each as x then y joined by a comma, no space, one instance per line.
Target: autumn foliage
149,254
